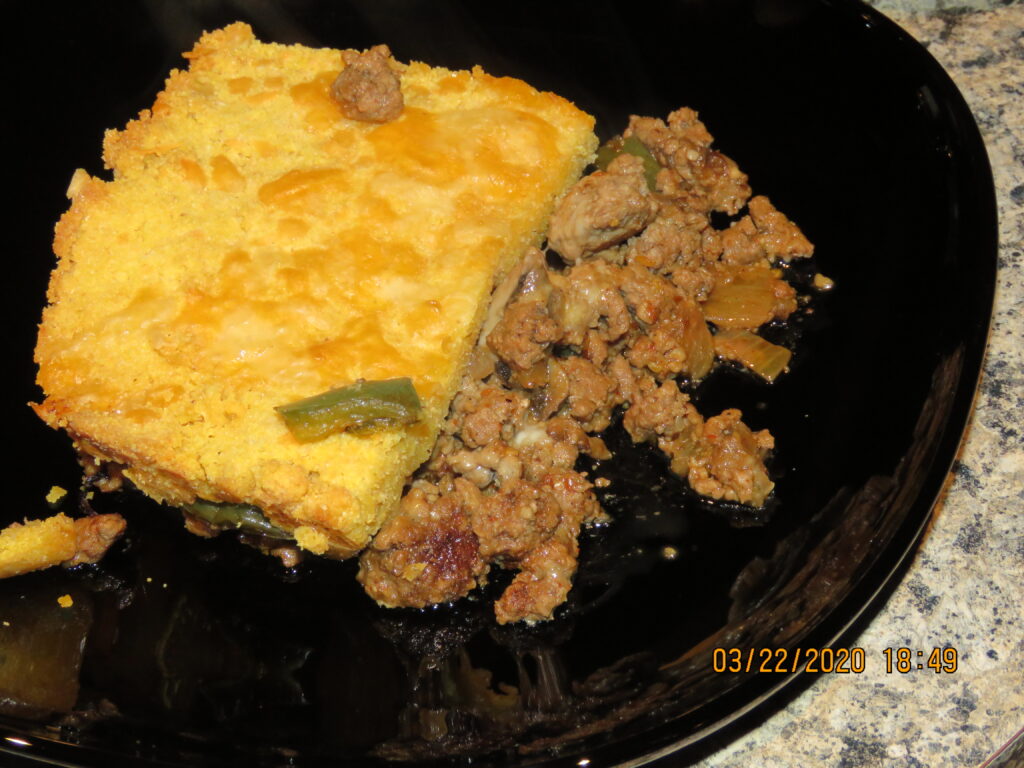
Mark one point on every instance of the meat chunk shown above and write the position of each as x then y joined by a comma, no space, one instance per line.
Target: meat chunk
695,282
586,298
601,210
729,461
546,571
554,446
524,333
590,394
665,416
679,343
780,237
94,536
439,545
515,521
487,415
741,244
764,234
494,464
675,236
684,146
368,89
675,339
426,553
542,584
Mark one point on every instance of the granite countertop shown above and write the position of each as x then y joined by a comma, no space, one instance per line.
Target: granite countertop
965,587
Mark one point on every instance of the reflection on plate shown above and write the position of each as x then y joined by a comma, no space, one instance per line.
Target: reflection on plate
204,653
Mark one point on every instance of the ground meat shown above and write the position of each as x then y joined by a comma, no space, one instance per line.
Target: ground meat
594,348
590,394
587,298
684,146
515,521
368,89
695,282
665,416
546,571
785,299
685,124
488,414
573,492
553,446
729,461
678,344
618,326
627,379
426,553
741,244
601,210
94,535
496,463
711,245
542,584
649,296
675,236
779,236
522,336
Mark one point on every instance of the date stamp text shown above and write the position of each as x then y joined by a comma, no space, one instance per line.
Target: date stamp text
832,660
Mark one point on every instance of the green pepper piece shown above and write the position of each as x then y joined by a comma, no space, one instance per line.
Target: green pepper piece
244,517
631,146
365,406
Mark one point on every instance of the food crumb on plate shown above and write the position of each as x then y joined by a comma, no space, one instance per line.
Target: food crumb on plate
65,601
56,494
823,283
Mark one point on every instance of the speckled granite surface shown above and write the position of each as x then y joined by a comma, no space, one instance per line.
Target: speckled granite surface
966,586
901,8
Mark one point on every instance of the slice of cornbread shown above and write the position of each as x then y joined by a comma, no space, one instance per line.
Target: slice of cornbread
256,247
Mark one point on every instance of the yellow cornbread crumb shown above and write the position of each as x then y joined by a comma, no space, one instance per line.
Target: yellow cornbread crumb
311,539
823,283
255,247
65,601
56,494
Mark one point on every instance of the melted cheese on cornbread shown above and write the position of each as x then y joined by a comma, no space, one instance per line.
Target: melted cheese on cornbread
255,247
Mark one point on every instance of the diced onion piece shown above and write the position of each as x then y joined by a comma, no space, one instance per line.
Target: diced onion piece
697,342
365,406
750,350
743,303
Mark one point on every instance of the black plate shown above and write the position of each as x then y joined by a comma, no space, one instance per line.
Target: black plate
209,655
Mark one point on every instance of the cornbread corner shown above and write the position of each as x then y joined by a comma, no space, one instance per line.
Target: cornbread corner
36,544
256,247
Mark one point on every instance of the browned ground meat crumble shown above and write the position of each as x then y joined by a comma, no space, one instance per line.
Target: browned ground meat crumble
368,89
619,325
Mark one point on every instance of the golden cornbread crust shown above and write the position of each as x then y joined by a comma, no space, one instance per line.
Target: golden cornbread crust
36,544
255,247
